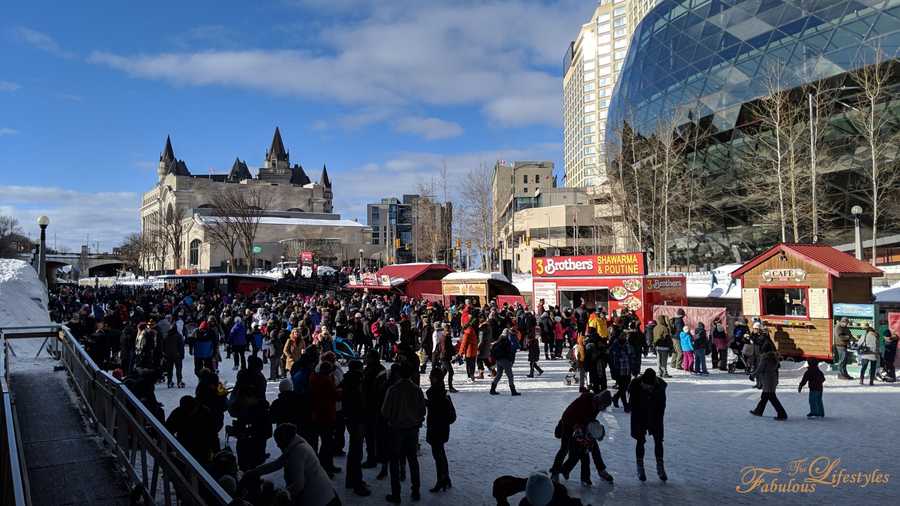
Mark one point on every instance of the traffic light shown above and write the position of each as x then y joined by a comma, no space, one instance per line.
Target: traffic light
396,243
527,240
458,244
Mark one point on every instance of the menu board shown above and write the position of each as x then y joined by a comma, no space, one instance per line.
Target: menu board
546,291
750,301
818,303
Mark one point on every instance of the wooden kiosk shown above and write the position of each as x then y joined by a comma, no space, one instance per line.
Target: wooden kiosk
794,289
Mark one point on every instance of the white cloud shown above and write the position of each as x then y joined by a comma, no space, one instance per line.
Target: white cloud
8,131
74,215
9,86
502,57
429,128
42,41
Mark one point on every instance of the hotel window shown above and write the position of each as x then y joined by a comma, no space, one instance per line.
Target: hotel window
525,178
602,29
589,87
620,32
621,43
588,139
619,21
589,118
195,252
588,129
604,49
589,76
620,54
619,11
588,66
537,178
602,18
603,60
589,108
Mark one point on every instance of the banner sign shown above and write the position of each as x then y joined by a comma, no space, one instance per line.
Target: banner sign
607,264
772,275
306,257
854,310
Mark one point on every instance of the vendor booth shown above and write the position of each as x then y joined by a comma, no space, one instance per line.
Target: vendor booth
411,280
611,280
480,287
224,282
799,291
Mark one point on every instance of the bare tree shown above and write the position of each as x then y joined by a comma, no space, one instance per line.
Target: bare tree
870,120
477,219
133,249
221,230
11,238
173,233
240,211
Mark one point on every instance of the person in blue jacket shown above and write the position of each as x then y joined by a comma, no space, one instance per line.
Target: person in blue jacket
687,349
256,340
238,340
203,348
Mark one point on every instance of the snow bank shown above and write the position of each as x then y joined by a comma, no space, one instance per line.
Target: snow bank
23,300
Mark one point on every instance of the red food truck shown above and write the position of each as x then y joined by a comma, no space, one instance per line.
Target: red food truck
609,280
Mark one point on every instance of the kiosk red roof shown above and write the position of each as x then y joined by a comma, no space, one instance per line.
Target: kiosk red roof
410,272
836,263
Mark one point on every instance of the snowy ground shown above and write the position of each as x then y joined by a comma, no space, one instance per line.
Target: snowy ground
710,438
23,299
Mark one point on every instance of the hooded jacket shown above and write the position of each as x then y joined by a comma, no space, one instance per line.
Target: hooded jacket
304,476
404,405
662,336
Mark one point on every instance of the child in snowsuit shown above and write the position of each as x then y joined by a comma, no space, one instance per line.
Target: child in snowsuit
816,379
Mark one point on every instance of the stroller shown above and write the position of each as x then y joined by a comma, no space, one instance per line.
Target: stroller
343,349
736,358
736,361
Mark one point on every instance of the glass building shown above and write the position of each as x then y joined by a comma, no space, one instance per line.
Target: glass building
702,67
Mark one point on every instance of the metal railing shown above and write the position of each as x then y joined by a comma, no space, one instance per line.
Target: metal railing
156,465
13,474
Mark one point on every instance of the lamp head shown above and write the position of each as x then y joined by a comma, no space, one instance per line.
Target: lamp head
43,220
856,210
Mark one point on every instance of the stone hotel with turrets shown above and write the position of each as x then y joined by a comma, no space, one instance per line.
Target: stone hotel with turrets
296,214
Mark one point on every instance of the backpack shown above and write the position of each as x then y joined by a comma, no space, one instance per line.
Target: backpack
500,349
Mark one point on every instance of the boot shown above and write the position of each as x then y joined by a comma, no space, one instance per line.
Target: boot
515,393
415,496
494,391
640,471
605,475
862,380
661,470
480,375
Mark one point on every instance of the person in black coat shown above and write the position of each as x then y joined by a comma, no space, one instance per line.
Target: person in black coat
374,377
286,407
195,428
648,409
441,414
353,403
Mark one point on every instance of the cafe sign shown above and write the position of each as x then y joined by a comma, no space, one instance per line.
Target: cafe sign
773,275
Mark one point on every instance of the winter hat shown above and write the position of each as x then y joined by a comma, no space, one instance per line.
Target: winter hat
286,385
204,325
757,325
539,489
596,430
649,376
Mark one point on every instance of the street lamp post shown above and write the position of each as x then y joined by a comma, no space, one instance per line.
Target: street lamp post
856,211
43,221
361,259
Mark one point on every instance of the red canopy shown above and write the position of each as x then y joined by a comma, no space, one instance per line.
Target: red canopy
836,263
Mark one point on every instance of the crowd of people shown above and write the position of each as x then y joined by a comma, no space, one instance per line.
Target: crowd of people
349,372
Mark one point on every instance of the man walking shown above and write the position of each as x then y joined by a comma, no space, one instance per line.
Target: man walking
504,352
404,411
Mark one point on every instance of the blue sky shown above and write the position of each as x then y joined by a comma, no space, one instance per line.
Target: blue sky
384,93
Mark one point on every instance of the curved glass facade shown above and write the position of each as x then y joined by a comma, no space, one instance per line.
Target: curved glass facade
706,58
704,65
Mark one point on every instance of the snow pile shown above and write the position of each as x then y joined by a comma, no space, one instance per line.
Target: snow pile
23,300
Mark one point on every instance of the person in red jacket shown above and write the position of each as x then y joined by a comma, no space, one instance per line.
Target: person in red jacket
583,410
324,395
468,347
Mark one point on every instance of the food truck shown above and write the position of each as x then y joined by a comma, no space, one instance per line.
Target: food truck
799,291
610,280
480,287
410,280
